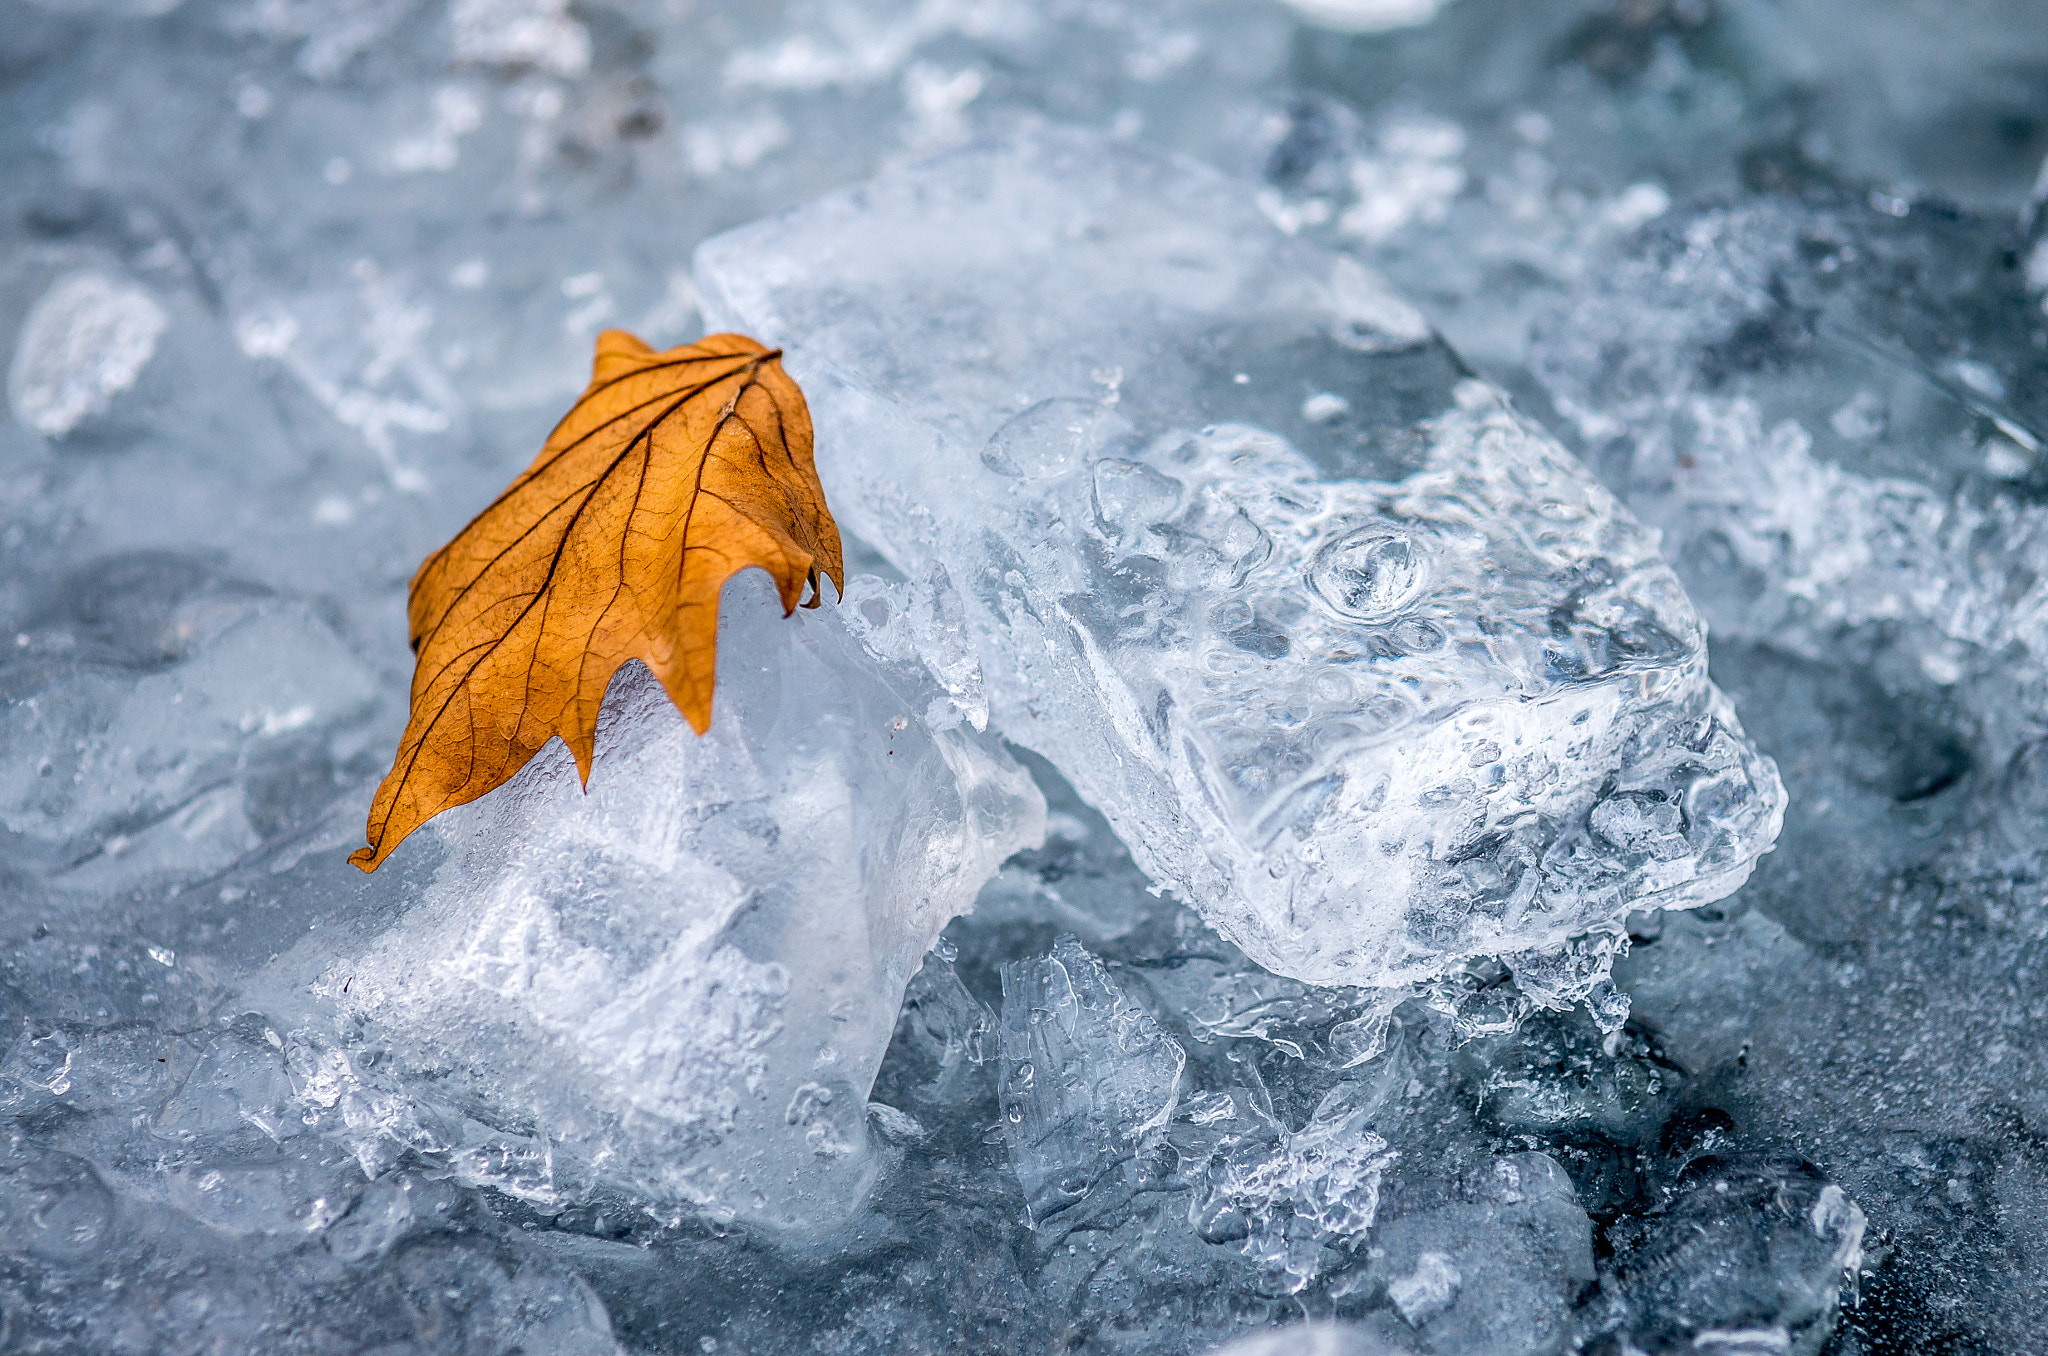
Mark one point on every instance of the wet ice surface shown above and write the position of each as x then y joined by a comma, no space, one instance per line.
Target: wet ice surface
286,290
1400,690
672,990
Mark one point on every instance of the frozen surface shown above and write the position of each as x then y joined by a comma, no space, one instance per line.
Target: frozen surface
1833,408
673,991
1833,414
1757,1250
288,288
1410,689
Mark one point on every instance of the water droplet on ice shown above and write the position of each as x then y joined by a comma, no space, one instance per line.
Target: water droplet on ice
1325,407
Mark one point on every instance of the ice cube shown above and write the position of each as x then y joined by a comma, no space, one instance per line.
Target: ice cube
1704,987
677,988
1375,694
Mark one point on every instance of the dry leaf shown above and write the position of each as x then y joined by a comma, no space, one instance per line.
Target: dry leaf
674,472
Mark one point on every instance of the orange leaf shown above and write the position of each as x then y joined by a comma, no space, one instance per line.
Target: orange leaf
674,472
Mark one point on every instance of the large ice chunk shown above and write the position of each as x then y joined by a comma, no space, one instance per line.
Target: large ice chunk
1355,658
677,988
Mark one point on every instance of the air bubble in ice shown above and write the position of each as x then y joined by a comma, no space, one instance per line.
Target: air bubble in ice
1370,574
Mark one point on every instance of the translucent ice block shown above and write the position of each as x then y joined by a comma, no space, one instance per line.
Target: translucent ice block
1087,1076
675,990
1355,658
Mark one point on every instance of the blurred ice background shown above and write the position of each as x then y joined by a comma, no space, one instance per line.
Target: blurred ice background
289,287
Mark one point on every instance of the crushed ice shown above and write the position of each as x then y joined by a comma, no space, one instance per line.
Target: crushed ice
1256,860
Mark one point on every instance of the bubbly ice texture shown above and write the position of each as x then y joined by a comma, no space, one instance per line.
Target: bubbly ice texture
675,990
1837,416
1087,1076
1377,693
1828,410
1315,1188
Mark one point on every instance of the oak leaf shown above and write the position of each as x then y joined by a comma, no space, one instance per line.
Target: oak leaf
673,472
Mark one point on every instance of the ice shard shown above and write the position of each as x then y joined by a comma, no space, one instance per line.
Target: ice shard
1357,659
672,993
1087,1076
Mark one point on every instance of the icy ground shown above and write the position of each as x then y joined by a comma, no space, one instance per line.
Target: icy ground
699,1063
